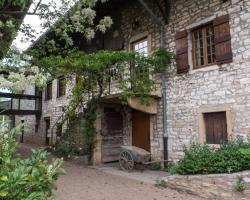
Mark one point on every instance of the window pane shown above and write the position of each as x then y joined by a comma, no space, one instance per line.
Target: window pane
141,47
210,44
198,43
61,87
204,47
49,91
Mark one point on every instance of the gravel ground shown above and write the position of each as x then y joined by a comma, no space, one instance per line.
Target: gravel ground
83,183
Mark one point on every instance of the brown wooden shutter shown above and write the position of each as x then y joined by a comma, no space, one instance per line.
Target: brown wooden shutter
182,52
216,127
222,39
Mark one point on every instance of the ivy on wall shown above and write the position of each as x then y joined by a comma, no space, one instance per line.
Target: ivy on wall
135,77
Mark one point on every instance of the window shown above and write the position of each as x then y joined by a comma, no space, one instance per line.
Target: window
203,46
61,87
113,73
47,130
211,44
215,127
59,130
141,46
48,92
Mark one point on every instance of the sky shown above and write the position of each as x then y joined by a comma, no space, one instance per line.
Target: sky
34,22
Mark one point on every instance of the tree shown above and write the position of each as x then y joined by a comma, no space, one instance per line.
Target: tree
61,17
59,56
34,178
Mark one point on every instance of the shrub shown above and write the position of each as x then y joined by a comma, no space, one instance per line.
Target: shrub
160,183
231,156
64,149
156,166
239,185
25,179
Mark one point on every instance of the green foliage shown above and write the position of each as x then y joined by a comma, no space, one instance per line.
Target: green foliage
160,183
156,166
63,149
89,127
172,168
239,185
25,179
231,156
93,74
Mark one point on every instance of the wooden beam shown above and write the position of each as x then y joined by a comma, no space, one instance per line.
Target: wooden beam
20,112
19,96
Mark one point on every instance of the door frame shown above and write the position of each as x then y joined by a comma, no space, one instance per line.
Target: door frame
201,122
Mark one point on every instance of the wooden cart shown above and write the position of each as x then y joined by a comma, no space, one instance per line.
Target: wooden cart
131,155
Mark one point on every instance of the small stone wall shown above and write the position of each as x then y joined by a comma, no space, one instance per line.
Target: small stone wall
215,186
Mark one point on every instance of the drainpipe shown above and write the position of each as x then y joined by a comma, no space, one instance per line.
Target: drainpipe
163,79
164,104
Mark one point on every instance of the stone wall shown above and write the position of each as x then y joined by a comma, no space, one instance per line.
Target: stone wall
55,107
31,133
226,86
146,27
215,186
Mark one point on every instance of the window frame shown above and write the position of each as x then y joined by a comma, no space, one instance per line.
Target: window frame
49,97
61,80
138,41
201,121
205,53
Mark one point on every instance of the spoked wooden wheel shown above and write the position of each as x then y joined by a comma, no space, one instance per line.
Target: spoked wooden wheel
126,161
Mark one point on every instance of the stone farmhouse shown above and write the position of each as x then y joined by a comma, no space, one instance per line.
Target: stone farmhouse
204,96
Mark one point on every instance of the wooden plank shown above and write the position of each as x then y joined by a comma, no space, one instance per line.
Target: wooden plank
141,130
216,127
112,134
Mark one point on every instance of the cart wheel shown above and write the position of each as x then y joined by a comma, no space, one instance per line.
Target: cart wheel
126,161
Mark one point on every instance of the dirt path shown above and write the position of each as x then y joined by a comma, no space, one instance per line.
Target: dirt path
83,183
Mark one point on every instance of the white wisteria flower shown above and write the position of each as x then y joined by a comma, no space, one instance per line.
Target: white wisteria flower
105,23
19,81
89,33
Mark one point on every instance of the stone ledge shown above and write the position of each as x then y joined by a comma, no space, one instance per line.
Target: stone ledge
213,186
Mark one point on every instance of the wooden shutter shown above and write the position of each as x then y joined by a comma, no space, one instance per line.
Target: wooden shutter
182,52
222,40
216,127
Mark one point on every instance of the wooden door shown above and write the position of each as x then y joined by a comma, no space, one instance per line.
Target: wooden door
112,135
141,130
47,128
216,127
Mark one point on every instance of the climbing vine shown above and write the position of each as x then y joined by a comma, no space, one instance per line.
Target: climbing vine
133,72
89,129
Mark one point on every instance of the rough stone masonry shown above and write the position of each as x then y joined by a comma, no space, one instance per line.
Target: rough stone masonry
225,87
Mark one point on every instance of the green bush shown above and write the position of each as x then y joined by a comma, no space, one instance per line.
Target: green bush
231,156
25,179
239,185
64,149
156,166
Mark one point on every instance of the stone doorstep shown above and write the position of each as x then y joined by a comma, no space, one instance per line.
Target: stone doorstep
213,186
